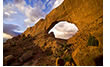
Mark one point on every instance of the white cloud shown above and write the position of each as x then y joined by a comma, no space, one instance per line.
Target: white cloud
27,20
9,11
57,3
14,11
6,14
32,13
20,4
24,15
64,30
6,36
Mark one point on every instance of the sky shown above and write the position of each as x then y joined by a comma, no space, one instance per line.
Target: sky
18,15
64,30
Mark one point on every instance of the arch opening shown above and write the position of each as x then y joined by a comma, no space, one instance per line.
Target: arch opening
63,29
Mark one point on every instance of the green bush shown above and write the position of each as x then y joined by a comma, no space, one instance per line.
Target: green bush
68,58
60,53
92,41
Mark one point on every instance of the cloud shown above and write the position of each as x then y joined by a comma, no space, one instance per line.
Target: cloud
9,11
65,26
57,3
6,36
39,10
19,12
20,4
64,30
33,12
10,29
18,1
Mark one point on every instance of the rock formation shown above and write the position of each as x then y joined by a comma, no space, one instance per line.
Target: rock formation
87,15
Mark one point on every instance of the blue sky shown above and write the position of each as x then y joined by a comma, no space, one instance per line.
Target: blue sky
20,14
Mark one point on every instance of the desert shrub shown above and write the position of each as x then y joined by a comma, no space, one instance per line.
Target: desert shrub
28,35
92,41
68,58
43,46
65,45
23,38
60,53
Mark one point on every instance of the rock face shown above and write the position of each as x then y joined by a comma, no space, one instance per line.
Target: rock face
84,56
26,56
87,15
59,62
78,12
52,34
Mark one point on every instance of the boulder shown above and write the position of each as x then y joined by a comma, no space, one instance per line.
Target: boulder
26,56
9,57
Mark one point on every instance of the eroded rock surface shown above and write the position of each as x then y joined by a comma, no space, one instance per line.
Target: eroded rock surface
87,15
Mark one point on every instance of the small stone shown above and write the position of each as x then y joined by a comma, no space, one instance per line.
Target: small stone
67,64
8,60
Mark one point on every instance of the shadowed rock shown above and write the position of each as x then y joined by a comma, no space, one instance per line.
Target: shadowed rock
60,62
8,59
99,60
52,34
26,56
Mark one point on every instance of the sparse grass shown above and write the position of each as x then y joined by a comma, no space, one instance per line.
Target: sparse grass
92,41
65,45
60,53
